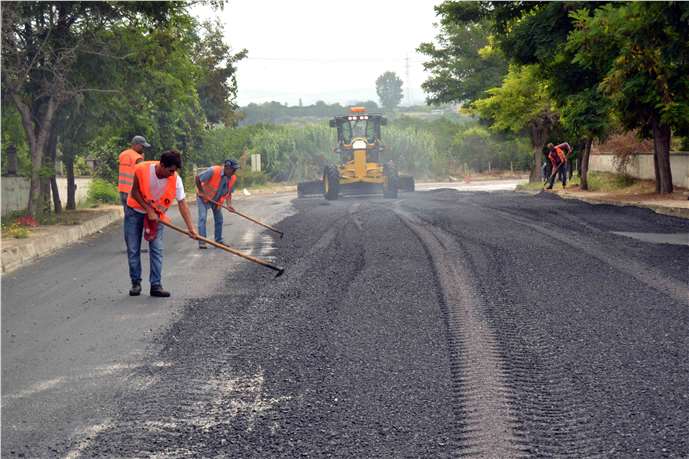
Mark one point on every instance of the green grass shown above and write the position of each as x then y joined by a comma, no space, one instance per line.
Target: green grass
101,192
598,181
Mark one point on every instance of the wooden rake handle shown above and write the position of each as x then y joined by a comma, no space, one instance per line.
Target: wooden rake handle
251,219
226,248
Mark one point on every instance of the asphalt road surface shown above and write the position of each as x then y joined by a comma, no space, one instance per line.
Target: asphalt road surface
439,324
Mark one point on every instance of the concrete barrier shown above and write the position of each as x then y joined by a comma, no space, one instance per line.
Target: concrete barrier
18,252
641,166
15,192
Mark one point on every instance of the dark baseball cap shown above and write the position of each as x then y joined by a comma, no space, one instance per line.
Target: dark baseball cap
141,140
232,163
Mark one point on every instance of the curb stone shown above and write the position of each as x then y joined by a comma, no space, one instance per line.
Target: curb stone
20,255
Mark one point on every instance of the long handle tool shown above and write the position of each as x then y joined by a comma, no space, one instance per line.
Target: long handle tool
251,219
229,249
557,168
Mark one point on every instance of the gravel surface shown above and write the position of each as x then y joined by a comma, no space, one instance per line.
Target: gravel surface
443,323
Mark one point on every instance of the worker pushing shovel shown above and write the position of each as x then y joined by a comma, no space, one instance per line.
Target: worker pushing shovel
558,159
214,188
215,184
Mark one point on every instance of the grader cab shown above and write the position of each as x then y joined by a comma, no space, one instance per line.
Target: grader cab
361,168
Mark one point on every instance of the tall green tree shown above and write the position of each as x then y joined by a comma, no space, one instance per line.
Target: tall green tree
217,80
522,104
463,64
389,89
643,50
41,42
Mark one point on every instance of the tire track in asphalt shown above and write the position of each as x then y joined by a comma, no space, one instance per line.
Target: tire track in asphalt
213,402
486,424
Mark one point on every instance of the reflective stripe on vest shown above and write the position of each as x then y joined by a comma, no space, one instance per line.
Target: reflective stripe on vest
162,204
214,184
128,160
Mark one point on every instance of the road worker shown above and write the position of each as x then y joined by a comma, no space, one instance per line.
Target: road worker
156,184
558,160
215,184
128,159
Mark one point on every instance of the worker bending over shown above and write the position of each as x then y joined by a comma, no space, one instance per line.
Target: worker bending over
215,184
156,184
558,160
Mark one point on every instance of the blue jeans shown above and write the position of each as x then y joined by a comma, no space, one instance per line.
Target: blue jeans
217,218
133,230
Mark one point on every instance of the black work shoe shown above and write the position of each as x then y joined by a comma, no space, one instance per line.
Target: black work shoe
157,290
136,289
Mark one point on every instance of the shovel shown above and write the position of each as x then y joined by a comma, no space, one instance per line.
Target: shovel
226,248
251,219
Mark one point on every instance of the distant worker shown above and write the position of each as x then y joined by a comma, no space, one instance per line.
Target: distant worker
558,160
128,159
156,184
216,184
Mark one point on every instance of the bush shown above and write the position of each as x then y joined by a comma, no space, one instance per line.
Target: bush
18,231
103,192
248,178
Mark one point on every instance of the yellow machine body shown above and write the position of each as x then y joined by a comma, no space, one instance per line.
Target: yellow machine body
359,169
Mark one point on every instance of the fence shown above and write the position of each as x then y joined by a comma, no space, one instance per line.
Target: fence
15,192
640,165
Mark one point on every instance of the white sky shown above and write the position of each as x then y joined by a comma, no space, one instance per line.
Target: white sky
326,50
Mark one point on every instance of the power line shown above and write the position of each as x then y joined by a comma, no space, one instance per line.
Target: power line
335,60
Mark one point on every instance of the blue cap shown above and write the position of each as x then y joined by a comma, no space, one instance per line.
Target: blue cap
232,163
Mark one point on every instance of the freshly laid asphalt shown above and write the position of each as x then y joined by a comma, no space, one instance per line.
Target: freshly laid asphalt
441,323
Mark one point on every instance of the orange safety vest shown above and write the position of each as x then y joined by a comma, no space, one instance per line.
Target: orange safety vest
214,184
128,159
557,156
163,203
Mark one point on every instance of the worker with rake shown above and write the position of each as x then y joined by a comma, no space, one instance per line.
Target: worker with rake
156,184
558,160
213,188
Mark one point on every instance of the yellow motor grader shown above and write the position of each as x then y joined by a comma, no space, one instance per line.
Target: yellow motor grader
361,167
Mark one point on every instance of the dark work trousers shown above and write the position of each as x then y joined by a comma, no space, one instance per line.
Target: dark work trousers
561,175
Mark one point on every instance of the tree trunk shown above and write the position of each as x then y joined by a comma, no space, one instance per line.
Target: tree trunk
539,134
584,173
661,146
37,133
52,150
71,183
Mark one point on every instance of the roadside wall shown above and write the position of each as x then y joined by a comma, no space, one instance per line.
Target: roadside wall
641,166
15,192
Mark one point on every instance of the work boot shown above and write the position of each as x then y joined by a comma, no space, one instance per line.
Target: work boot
136,289
157,290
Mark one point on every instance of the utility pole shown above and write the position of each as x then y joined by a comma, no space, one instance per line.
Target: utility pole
408,81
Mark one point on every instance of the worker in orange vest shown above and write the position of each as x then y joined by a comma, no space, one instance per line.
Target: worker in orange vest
558,159
155,185
216,184
128,159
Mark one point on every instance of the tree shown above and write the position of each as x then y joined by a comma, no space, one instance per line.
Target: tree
217,82
643,51
522,103
389,89
41,42
464,64
587,115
